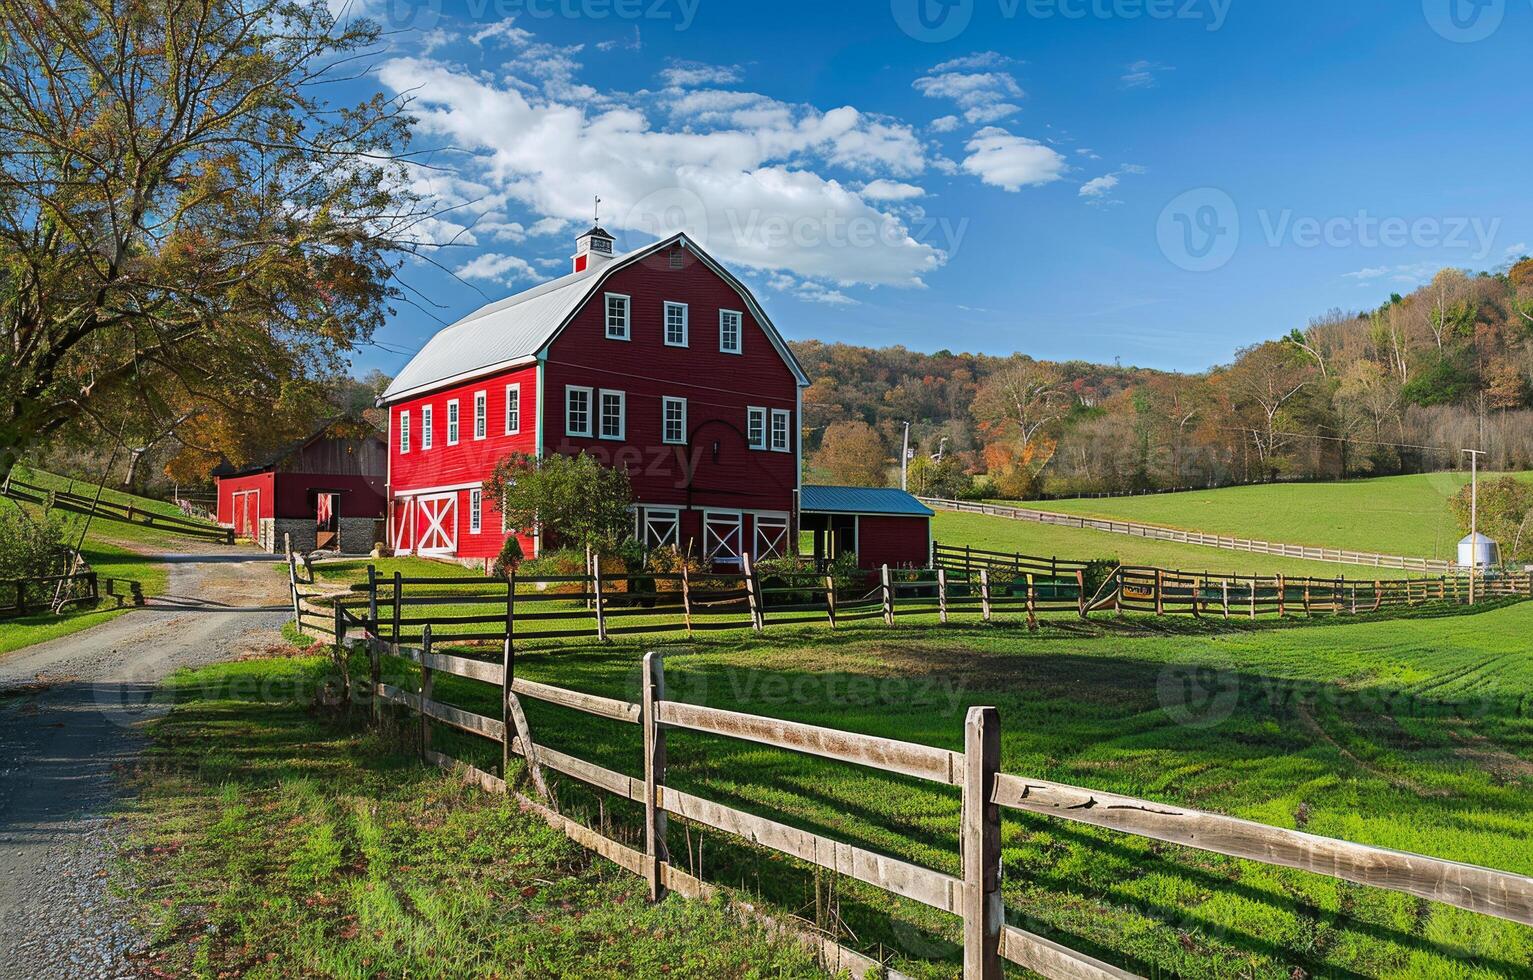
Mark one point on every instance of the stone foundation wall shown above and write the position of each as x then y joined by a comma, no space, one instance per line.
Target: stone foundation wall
358,534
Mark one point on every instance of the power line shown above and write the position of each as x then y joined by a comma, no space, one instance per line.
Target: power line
1346,439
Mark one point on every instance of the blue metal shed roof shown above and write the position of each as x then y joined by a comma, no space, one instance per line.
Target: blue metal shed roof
861,500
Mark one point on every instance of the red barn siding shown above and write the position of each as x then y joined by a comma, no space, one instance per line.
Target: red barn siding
259,483
899,542
363,496
720,471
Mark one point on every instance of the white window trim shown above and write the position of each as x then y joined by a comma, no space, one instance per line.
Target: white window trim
606,316
787,430
426,420
601,412
404,432
766,421
454,428
475,511
665,324
590,411
665,402
481,415
739,347
515,389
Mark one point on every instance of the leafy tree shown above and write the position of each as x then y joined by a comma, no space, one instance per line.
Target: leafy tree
1506,513
185,219
939,478
575,500
852,454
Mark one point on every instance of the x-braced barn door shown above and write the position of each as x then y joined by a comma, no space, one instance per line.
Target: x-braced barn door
721,538
437,525
404,524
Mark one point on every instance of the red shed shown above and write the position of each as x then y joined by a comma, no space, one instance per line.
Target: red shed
327,491
879,526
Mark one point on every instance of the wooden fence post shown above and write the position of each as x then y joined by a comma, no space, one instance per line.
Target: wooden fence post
686,596
655,852
981,847
428,684
374,653
984,593
887,591
399,601
1160,591
753,593
1282,587
1080,590
601,620
942,596
1032,603
1308,612
830,599
292,581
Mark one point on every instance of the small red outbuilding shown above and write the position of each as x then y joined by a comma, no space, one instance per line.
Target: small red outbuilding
327,491
879,526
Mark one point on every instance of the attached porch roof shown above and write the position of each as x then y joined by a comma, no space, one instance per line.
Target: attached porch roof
861,500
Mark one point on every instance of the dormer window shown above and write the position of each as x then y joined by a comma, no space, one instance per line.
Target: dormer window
617,316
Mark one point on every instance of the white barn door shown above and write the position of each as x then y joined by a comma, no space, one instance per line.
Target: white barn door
437,525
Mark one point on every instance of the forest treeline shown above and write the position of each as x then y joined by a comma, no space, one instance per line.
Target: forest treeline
1397,389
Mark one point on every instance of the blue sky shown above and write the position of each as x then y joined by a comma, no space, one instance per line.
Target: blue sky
1156,181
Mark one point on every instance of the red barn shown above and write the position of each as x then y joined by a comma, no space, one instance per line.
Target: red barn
326,491
879,526
659,360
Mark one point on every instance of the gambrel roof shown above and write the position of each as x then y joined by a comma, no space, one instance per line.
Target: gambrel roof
519,328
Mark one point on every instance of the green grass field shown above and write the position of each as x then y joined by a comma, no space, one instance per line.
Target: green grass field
1413,734
272,840
1045,540
1398,515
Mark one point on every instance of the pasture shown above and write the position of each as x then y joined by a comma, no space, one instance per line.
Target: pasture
1397,515
1411,733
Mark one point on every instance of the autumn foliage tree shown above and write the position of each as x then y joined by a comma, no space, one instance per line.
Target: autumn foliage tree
852,454
187,224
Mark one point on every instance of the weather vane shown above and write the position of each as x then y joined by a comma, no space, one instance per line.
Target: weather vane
596,211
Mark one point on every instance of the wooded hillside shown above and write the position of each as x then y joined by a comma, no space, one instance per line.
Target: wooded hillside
1397,389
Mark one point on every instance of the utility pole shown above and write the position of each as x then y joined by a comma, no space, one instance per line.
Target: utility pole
1474,516
905,461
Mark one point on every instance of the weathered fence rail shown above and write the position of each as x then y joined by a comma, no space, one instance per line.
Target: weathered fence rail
974,896
113,511
1226,542
21,596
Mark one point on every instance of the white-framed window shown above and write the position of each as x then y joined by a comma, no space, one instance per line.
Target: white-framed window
771,536
481,414
475,511
404,432
617,316
614,414
730,327
426,427
782,428
673,419
577,411
660,527
452,422
756,428
513,409
675,324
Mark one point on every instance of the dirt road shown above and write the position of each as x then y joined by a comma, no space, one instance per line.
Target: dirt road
71,717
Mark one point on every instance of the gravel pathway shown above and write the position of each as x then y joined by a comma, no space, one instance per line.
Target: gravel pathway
71,724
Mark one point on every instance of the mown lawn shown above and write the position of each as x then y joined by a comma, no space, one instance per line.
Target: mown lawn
1398,515
273,838
1044,540
1414,734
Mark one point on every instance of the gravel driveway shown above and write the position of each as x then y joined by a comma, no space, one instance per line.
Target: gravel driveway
71,717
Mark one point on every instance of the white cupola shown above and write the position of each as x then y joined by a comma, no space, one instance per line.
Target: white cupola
592,249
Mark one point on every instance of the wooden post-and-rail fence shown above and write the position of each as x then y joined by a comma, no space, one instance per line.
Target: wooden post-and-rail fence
974,896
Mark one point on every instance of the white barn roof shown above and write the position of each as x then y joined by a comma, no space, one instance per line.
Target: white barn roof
519,328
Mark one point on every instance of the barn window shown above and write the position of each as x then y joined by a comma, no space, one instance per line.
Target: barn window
404,432
452,422
481,414
673,413
426,434
577,411
729,331
613,414
676,324
617,316
756,428
781,427
513,409
475,511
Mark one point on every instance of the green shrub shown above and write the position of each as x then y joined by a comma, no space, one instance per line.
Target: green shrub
31,548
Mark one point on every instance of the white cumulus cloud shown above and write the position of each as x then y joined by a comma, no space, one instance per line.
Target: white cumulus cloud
1012,162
